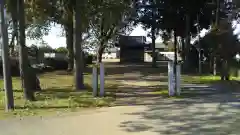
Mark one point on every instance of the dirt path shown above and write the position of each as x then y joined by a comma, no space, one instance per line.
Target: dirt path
213,112
214,115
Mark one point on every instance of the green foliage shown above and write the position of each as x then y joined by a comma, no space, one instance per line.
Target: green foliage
167,15
57,97
37,31
32,50
45,48
222,36
111,17
36,16
62,50
37,19
64,9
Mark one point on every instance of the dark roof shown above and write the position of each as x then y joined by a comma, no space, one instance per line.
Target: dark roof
132,41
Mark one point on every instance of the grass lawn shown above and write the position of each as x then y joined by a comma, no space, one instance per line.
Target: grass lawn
187,79
164,94
57,96
205,79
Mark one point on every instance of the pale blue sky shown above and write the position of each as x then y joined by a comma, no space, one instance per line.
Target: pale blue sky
55,40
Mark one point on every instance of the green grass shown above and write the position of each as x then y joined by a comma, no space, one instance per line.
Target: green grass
164,93
58,95
206,79
200,79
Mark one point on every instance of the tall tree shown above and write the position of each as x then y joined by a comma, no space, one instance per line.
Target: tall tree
37,24
63,15
153,36
224,35
29,79
23,57
178,17
67,22
111,18
78,54
6,61
148,17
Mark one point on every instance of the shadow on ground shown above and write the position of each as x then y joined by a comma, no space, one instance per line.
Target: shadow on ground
143,68
201,109
210,111
204,107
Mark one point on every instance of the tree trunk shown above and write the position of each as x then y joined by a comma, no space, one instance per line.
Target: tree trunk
30,81
224,70
216,25
100,52
6,63
182,48
14,15
217,12
99,57
69,42
153,30
12,44
154,57
101,44
37,55
175,61
199,48
187,44
13,11
78,54
69,35
214,65
210,65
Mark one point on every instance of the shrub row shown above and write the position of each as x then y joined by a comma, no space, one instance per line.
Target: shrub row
49,64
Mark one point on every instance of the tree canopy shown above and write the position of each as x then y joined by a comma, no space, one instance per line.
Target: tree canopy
112,17
171,14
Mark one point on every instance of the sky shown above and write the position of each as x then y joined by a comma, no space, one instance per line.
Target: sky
237,28
55,40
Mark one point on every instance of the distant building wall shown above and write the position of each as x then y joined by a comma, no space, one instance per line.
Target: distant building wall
132,49
55,55
132,54
111,55
147,57
161,56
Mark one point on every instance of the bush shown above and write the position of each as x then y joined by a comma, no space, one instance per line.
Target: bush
62,64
